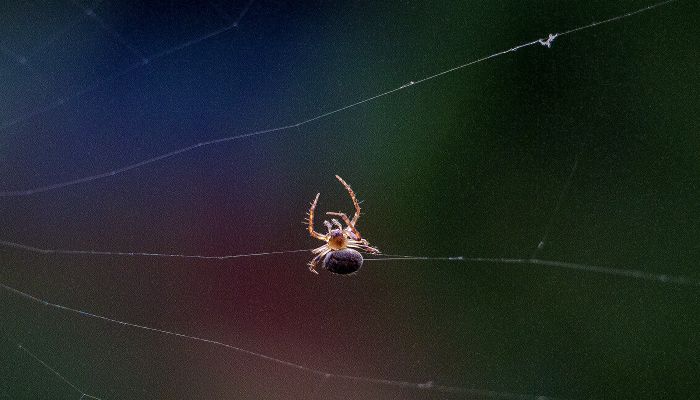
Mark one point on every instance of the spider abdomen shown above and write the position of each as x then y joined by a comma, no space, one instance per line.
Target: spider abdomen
344,262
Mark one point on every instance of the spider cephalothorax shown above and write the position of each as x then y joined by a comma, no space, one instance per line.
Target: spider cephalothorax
337,254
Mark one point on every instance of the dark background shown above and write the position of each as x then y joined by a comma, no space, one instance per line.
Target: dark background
469,164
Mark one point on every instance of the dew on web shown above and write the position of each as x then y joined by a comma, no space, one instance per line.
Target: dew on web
178,274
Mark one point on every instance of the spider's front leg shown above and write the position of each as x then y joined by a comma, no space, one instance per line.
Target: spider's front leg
312,232
348,223
329,226
337,223
354,200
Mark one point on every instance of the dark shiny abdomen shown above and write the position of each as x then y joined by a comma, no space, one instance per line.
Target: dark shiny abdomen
344,262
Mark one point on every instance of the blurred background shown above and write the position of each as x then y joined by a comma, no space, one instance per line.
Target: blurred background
470,164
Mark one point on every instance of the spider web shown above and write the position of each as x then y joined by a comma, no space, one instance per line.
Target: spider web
578,155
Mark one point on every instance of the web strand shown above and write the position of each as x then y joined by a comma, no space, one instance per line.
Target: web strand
83,395
324,374
24,62
557,206
38,250
90,12
565,188
90,178
243,12
60,32
628,273
134,66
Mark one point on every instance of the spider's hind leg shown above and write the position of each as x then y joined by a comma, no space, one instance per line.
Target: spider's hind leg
367,248
318,260
315,262
363,245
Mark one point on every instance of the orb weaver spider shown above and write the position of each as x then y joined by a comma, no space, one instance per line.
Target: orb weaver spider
337,255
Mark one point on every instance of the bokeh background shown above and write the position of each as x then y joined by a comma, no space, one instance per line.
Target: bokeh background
470,164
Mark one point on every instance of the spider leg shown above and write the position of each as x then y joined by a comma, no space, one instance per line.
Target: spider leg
354,200
320,254
369,249
348,222
337,223
328,225
313,264
364,246
312,232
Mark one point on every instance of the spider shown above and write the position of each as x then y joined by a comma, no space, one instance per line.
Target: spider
337,255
